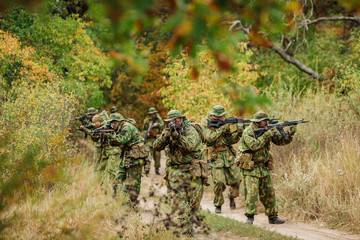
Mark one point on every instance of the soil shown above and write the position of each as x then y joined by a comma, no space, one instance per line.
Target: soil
301,230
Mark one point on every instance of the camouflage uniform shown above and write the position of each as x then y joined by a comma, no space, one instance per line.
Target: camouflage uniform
91,112
256,162
184,149
224,170
113,109
133,156
154,133
106,156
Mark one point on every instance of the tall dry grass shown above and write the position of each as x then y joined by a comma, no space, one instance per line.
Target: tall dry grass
82,209
318,174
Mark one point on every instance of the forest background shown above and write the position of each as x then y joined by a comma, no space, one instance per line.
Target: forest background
60,57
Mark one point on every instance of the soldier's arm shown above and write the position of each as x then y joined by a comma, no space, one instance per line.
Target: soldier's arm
235,137
145,127
210,136
161,142
189,141
279,140
161,124
124,136
253,143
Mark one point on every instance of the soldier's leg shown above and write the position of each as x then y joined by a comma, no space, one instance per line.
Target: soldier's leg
267,196
133,181
112,169
156,157
196,194
233,179
218,177
252,195
180,186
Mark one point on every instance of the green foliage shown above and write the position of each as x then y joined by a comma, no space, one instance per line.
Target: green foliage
195,86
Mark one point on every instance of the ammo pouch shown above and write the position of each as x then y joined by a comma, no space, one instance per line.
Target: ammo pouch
200,168
244,161
137,151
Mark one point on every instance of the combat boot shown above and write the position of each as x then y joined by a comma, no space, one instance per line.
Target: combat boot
275,220
232,204
218,209
249,220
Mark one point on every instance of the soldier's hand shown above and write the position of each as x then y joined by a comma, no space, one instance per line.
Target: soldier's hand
270,133
155,124
167,132
225,128
292,130
239,127
82,127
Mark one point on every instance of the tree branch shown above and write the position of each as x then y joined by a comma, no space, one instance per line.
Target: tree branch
237,25
322,19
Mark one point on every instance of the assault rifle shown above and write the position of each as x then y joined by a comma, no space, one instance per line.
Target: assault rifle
233,120
149,128
280,127
89,126
83,119
102,132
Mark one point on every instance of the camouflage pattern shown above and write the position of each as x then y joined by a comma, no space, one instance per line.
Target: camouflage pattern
224,170
106,157
218,111
91,111
152,110
257,181
154,133
127,136
186,190
113,109
174,114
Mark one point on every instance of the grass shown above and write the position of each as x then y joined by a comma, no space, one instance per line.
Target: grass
317,175
223,225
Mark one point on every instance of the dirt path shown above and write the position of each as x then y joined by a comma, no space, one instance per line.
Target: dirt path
301,230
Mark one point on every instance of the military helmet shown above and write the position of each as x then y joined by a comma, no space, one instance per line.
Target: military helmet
113,109
116,117
98,118
174,114
260,116
218,111
152,110
92,111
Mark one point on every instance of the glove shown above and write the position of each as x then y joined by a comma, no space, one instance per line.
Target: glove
167,133
239,128
225,128
270,133
292,130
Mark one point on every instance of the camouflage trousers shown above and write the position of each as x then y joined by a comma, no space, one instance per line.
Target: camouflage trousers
262,188
186,192
154,155
230,176
130,179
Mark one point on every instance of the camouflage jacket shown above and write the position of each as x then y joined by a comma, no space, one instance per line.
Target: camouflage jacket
102,145
126,135
183,150
155,131
260,149
216,138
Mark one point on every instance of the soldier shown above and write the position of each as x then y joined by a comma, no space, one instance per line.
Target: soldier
91,113
185,149
222,154
255,160
152,128
114,109
106,156
134,154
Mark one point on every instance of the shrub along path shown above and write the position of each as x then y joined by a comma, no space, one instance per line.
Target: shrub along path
301,230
